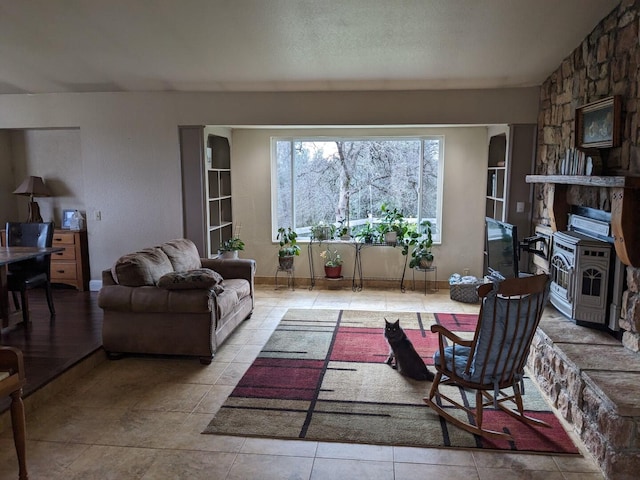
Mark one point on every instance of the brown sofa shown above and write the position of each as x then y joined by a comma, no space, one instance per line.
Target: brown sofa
167,300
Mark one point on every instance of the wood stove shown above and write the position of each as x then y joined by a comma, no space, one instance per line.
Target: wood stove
586,283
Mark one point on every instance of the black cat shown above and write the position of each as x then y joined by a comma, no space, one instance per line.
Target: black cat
407,360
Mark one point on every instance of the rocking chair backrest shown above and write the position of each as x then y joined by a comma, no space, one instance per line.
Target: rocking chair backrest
508,319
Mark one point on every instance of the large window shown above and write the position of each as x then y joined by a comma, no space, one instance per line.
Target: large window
334,180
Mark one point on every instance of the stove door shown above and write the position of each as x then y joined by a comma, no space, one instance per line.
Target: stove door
561,272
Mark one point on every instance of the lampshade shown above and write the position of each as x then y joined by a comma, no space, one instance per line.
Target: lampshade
34,187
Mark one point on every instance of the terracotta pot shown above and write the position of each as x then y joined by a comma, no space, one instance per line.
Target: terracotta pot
333,272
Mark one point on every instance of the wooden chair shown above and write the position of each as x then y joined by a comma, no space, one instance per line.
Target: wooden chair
34,273
11,382
493,361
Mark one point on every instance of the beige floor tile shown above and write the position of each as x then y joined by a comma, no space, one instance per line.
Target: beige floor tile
355,451
583,476
188,465
214,399
268,446
112,463
188,436
513,474
333,469
515,461
233,373
270,467
576,464
172,397
415,471
435,456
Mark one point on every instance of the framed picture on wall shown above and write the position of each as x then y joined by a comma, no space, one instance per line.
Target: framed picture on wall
66,219
598,124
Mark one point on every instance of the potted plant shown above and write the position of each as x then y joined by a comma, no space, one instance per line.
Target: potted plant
322,231
421,255
230,248
332,263
393,225
367,233
287,239
343,231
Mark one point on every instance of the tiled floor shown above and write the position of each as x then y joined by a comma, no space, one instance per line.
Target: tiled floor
142,418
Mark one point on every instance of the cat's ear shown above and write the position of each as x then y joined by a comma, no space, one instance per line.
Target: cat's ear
386,322
396,323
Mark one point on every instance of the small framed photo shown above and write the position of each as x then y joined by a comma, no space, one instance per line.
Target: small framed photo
66,219
598,124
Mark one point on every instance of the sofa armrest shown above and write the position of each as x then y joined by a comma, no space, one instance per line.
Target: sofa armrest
107,278
232,267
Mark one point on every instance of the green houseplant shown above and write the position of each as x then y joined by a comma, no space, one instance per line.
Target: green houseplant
393,225
367,233
332,263
421,255
230,248
289,248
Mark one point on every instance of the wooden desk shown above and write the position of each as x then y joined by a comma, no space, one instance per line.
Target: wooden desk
10,255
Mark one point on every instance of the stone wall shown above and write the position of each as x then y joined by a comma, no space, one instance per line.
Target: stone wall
606,63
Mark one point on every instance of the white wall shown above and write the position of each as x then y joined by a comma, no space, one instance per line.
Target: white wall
130,152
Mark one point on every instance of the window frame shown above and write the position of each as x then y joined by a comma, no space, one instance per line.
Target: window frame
437,228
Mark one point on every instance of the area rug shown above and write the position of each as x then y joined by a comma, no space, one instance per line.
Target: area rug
322,376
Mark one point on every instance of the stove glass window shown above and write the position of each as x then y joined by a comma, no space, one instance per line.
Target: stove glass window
591,282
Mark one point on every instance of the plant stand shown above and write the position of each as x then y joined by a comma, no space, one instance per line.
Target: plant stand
290,277
425,271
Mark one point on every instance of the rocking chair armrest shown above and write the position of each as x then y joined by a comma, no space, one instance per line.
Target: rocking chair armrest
440,330
11,359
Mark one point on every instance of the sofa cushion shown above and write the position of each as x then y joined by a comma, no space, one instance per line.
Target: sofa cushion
141,268
234,290
183,254
192,279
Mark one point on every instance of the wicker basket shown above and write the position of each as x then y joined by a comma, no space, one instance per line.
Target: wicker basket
464,292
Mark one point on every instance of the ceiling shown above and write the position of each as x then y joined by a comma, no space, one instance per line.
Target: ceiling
286,45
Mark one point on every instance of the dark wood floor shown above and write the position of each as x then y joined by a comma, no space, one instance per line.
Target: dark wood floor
51,347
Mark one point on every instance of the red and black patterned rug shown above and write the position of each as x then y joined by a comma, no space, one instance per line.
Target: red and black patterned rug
322,376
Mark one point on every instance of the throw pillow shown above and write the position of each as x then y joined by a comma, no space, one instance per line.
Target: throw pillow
201,278
141,268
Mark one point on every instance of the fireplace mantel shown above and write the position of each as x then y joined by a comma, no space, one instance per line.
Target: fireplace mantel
625,208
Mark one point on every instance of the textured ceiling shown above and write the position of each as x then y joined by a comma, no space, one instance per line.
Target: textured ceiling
286,45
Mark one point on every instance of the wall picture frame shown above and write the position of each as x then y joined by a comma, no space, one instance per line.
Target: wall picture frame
66,219
598,124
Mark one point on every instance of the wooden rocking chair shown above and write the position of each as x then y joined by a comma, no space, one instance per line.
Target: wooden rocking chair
494,360
11,382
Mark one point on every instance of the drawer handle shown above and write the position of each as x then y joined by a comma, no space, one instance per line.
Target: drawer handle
59,253
60,271
58,239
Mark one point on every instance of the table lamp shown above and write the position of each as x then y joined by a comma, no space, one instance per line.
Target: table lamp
34,187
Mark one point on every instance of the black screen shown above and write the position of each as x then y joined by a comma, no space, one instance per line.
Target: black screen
502,248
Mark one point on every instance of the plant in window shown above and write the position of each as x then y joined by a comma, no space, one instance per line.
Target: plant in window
421,255
287,240
367,233
323,231
393,225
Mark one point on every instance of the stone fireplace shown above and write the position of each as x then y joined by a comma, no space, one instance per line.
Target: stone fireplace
590,376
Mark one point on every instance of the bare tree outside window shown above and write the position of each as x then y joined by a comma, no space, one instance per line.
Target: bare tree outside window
348,180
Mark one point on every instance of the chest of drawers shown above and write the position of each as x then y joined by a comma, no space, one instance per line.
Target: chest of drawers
71,266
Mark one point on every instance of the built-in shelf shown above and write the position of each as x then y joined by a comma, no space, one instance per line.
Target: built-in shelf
625,208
